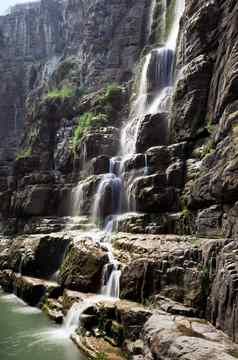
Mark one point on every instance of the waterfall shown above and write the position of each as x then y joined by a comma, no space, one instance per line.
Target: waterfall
72,320
107,198
150,21
173,35
128,143
154,93
77,199
111,276
156,84
146,168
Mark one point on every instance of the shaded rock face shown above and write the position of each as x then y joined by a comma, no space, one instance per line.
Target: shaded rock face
34,37
186,187
39,255
177,275
31,36
153,131
83,266
222,308
30,289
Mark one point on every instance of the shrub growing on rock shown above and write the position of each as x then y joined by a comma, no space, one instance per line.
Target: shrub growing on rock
24,153
86,121
64,92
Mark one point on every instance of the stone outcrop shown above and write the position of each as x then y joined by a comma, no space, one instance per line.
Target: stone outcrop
179,337
82,267
55,32
177,250
35,255
31,290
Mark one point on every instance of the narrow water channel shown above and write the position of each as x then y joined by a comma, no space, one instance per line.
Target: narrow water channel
26,334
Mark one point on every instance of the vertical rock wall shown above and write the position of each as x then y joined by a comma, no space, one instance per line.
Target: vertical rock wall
105,37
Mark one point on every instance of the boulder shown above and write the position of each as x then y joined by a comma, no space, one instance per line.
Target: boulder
153,131
102,141
208,222
168,337
167,265
99,165
82,267
32,290
6,280
32,201
152,194
36,255
190,99
158,158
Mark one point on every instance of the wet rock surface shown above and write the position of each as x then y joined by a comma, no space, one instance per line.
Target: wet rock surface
36,255
177,251
178,337
83,266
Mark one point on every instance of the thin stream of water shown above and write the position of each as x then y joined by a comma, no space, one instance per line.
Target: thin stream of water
154,93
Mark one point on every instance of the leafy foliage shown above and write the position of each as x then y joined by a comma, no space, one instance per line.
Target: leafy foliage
24,153
101,356
86,121
64,92
208,148
111,92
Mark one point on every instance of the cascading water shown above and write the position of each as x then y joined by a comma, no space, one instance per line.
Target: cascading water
150,20
154,94
108,192
173,34
138,110
106,205
72,320
77,199
155,84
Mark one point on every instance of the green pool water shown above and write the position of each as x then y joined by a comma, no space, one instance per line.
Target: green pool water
26,334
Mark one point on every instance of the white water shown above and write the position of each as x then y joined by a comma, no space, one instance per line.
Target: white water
163,74
146,168
72,320
148,101
151,15
26,334
109,187
173,35
129,131
75,313
111,274
77,199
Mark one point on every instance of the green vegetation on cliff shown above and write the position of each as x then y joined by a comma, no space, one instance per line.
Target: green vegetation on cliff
100,115
86,121
64,92
24,153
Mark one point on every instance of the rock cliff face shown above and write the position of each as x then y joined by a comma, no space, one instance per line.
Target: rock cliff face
36,37
31,35
78,66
